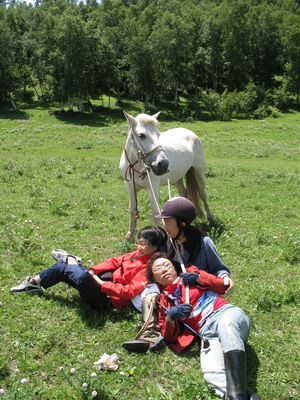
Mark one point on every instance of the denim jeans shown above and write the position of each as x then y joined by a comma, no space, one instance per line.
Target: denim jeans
225,330
79,278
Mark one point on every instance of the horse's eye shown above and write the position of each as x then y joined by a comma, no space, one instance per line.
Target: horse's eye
141,135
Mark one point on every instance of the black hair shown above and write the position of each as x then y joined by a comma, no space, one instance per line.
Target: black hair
193,237
155,235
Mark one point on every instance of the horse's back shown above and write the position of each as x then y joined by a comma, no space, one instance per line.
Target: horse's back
180,137
182,141
184,151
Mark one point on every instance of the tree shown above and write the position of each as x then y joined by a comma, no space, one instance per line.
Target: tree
264,44
291,50
171,48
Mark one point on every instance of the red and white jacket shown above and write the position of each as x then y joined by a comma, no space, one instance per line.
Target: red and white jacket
205,300
128,277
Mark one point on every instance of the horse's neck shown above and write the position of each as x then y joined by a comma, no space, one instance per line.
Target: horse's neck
130,152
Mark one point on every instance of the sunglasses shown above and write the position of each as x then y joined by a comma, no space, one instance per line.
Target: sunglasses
158,268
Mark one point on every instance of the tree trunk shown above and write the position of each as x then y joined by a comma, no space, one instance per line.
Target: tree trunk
15,107
176,96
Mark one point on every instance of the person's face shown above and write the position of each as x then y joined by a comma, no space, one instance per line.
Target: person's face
171,227
144,247
163,271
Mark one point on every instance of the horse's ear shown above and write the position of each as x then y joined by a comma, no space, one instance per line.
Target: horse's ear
156,115
131,120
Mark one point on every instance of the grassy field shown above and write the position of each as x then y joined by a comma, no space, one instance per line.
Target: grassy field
61,188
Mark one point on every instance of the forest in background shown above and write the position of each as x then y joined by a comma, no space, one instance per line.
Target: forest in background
210,59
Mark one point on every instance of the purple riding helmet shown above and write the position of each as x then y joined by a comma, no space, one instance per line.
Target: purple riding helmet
178,207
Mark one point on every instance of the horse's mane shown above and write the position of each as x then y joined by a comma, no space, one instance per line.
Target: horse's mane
147,119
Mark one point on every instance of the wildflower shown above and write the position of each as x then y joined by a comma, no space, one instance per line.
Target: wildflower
93,374
122,373
275,237
17,371
61,368
2,391
94,393
85,385
72,371
24,381
131,372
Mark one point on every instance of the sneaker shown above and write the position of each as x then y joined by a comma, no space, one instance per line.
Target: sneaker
61,256
27,286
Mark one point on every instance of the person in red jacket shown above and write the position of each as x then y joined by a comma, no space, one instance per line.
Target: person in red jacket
190,304
112,283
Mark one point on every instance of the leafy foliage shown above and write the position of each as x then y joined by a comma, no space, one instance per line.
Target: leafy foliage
154,51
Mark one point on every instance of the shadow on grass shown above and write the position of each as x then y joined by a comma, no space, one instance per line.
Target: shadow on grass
8,113
92,318
252,366
101,116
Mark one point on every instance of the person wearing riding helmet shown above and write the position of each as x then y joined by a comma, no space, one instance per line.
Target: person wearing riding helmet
188,242
186,245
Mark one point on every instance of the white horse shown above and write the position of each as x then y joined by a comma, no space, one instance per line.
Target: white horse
151,158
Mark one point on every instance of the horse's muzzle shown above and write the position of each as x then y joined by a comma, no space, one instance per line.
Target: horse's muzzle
160,167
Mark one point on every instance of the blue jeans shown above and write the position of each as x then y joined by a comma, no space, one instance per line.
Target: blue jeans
225,330
79,278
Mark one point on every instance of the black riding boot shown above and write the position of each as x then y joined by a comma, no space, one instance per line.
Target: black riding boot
236,375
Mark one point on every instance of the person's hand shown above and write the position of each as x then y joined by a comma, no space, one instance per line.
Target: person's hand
96,277
189,278
180,311
228,282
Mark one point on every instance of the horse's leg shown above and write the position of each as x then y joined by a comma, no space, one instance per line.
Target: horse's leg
196,189
154,201
181,188
132,210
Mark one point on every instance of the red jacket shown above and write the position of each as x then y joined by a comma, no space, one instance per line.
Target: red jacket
128,278
176,333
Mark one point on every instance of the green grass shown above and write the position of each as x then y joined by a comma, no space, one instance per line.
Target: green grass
61,188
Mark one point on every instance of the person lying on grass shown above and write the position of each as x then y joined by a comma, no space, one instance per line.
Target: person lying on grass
223,327
114,283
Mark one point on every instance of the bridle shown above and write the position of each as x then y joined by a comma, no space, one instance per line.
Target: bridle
142,156
137,144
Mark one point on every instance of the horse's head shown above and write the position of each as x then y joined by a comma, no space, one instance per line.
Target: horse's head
145,140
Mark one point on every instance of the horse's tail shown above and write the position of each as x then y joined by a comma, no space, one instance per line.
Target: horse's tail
195,186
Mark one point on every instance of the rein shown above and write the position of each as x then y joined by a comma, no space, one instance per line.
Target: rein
131,170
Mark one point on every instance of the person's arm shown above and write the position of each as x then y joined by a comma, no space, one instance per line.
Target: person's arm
125,292
169,329
111,264
207,281
214,264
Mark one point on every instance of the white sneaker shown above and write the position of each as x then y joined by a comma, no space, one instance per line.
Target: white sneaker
61,256
27,286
